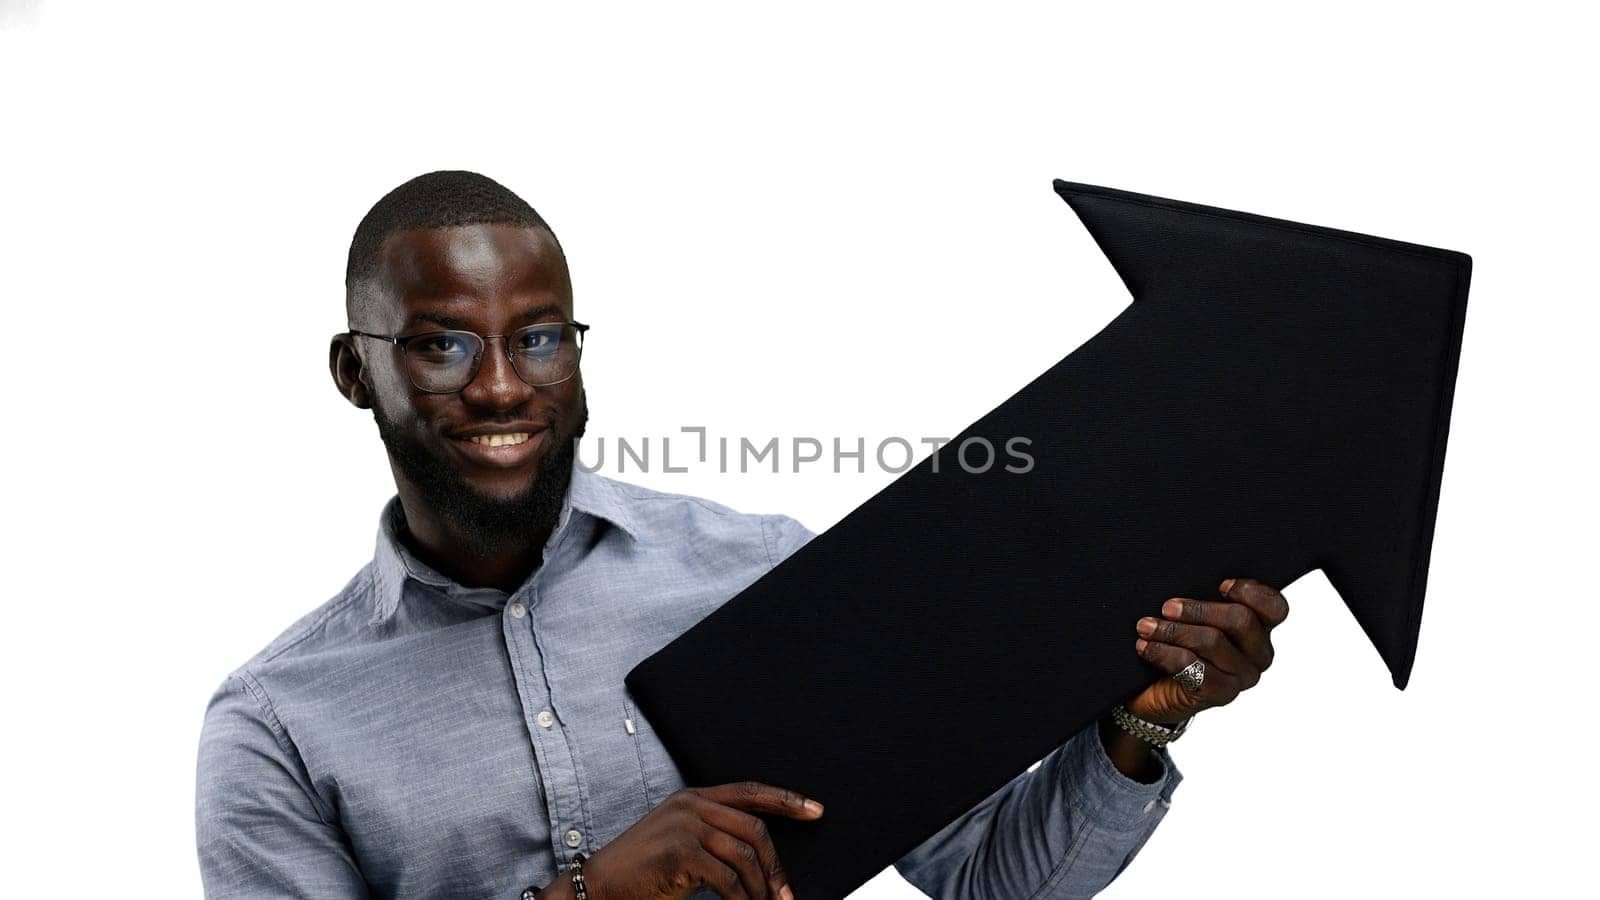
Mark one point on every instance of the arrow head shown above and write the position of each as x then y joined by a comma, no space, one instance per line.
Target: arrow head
1361,335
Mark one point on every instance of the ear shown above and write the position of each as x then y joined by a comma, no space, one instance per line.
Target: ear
583,412
349,375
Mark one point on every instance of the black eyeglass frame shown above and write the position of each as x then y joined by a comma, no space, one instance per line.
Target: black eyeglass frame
402,340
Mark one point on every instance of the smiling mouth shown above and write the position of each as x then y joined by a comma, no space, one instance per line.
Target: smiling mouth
502,449
500,440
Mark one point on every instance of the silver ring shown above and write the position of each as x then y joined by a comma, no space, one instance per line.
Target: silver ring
1192,676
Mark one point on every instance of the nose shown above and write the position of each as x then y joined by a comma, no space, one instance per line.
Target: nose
496,384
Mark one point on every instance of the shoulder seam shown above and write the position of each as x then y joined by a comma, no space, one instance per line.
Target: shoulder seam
766,540
362,588
770,537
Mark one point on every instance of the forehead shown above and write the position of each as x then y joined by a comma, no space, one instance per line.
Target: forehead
471,272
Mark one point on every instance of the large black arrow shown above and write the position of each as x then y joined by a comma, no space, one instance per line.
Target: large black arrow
1275,400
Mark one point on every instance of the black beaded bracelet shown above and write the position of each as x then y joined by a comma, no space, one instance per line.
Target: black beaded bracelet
531,893
577,876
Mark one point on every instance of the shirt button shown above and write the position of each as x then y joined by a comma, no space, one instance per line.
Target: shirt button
545,719
518,610
574,838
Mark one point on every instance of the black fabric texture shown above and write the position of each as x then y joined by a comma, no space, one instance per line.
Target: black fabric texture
1274,400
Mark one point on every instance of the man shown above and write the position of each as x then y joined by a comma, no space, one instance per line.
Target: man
454,723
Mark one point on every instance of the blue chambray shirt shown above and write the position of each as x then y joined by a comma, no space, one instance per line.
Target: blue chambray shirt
412,737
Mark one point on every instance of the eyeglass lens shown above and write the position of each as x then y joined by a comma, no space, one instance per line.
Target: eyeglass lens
446,361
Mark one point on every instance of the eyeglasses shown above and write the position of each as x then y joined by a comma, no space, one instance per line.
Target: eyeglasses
443,362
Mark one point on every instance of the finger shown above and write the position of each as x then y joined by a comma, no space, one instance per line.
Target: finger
1208,643
1239,622
1217,689
740,857
752,831
1267,601
753,796
719,876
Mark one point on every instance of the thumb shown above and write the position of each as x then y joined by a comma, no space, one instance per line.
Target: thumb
1165,703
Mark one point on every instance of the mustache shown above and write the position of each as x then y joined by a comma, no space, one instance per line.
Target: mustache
552,418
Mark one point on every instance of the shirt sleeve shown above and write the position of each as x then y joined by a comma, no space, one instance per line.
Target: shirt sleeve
260,828
1063,830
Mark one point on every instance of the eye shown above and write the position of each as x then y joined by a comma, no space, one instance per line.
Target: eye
439,346
538,342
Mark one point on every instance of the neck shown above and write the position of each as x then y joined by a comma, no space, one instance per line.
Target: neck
503,562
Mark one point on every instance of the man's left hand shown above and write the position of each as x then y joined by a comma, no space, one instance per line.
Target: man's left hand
1232,636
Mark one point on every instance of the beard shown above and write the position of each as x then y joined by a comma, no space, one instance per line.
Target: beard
483,524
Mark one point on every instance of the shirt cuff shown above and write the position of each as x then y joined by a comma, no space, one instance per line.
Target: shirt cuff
1113,800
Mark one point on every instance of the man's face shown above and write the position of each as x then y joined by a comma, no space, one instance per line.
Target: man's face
489,279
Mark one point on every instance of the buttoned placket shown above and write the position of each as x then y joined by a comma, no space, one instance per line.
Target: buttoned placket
559,771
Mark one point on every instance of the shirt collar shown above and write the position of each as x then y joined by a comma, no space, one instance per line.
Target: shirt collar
392,564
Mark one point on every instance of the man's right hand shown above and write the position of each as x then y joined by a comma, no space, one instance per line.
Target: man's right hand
698,837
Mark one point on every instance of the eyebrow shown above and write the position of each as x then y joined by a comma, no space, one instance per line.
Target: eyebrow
541,311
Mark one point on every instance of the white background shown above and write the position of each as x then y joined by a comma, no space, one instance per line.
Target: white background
180,182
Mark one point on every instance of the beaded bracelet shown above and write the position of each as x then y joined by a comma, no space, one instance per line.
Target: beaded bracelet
577,876
577,880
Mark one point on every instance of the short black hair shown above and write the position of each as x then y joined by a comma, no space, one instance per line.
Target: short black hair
436,200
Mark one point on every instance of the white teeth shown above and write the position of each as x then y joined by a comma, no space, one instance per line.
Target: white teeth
500,440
